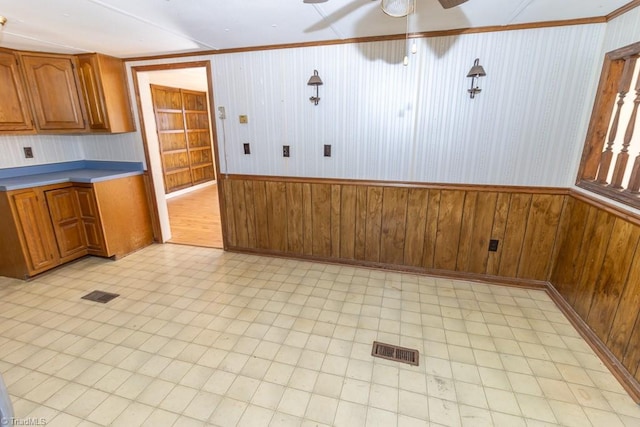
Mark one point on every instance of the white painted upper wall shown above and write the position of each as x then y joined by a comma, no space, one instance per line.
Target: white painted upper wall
415,123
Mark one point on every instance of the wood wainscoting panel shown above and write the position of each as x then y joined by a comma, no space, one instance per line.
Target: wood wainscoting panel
498,232
626,319
295,218
241,231
361,221
336,207
321,220
540,236
569,256
444,228
597,234
417,208
276,196
448,233
597,272
348,203
613,275
394,224
431,228
262,216
373,224
516,226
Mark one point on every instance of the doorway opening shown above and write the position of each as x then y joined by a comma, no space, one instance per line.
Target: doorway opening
187,213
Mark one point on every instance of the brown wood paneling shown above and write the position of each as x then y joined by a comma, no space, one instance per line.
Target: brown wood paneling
394,220
262,215
612,277
540,236
431,228
307,219
336,198
448,234
631,359
466,230
417,205
277,215
596,240
569,264
348,221
498,232
374,223
295,218
240,213
519,207
361,223
626,318
229,208
481,233
251,214
321,218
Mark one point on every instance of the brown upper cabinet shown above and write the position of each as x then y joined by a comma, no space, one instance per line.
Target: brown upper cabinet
53,88
55,93
15,112
106,94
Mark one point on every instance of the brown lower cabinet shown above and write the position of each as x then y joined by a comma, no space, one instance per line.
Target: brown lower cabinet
50,225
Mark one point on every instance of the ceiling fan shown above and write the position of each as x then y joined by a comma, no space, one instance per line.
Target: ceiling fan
401,8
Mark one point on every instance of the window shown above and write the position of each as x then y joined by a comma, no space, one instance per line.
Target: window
611,158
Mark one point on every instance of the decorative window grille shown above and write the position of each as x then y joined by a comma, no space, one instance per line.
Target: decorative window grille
611,157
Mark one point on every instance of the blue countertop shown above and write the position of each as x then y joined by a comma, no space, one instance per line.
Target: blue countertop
82,171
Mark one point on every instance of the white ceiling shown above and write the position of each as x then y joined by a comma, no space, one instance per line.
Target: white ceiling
128,28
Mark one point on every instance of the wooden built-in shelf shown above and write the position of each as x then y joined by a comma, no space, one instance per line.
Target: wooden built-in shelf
182,123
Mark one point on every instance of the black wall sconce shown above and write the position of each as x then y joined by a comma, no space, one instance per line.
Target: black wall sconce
316,81
475,73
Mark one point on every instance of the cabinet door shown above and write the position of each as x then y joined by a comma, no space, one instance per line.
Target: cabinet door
35,226
106,93
89,72
53,86
14,106
67,224
91,220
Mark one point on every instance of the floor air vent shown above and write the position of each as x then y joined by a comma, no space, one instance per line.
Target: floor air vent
393,352
100,296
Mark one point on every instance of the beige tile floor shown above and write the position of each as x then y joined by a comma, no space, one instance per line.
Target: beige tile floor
203,337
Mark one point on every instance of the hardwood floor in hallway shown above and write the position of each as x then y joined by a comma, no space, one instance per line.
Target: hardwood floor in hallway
195,218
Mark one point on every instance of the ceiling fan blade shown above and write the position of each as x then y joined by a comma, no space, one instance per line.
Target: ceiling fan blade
448,4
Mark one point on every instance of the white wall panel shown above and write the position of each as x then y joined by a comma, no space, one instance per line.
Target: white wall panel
416,123
622,31
126,147
46,149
